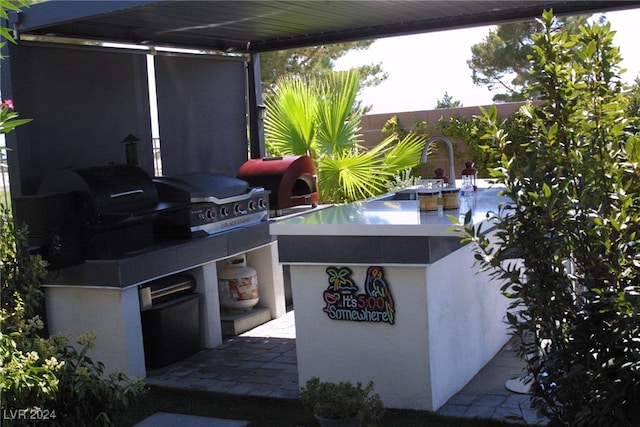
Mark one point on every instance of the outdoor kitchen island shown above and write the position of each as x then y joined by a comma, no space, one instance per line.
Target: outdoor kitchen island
105,295
386,293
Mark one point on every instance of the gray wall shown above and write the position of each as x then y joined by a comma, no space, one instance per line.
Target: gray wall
202,114
83,102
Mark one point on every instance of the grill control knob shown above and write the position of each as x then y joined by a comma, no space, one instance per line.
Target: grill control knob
262,204
224,211
237,208
210,213
251,205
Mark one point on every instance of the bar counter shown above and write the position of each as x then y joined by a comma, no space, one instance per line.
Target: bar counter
388,215
386,293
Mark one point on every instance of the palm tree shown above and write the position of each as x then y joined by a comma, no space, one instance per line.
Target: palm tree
316,117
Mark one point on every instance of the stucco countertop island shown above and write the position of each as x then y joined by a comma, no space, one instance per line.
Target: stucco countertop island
388,215
386,293
398,223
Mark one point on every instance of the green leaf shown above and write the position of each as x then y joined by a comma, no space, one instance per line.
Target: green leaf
405,154
336,123
289,123
7,127
345,177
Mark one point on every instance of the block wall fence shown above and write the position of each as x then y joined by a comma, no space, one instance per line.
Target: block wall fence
372,124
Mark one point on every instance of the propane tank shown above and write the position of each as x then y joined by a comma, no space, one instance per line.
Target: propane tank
238,285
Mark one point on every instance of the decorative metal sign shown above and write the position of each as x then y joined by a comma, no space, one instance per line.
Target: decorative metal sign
343,302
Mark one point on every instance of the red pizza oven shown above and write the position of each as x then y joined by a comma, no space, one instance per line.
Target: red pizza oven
290,179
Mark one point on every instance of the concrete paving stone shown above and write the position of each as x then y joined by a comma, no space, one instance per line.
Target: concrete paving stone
217,386
243,388
261,343
196,383
517,400
207,374
212,366
484,385
498,373
213,360
216,367
278,365
250,365
511,362
229,362
266,356
289,360
293,371
263,362
492,400
257,374
251,372
462,399
506,357
253,348
229,376
292,386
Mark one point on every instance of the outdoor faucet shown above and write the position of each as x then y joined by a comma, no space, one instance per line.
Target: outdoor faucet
425,153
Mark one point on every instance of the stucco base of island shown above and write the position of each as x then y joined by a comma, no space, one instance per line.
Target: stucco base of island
102,295
447,323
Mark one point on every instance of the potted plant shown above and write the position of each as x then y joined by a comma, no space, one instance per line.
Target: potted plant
342,404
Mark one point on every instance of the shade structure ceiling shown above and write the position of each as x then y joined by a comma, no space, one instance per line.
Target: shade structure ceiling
264,25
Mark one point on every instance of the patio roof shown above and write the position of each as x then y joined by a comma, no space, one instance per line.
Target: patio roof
263,25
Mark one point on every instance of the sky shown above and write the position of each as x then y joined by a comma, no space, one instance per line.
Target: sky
423,67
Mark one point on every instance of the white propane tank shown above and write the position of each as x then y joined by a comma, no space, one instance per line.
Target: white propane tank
238,285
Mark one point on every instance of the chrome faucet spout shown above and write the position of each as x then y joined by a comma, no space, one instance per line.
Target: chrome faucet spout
447,141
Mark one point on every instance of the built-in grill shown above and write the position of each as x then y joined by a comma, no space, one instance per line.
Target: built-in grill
91,213
112,210
208,203
291,180
169,311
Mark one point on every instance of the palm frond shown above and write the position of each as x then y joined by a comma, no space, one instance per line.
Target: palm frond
346,177
406,153
289,123
337,123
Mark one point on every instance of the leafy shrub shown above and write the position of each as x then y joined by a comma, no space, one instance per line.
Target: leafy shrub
574,225
48,376
341,401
